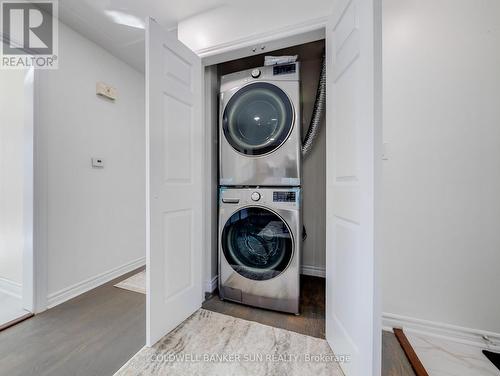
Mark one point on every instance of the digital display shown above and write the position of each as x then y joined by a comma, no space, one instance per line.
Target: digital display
284,69
284,197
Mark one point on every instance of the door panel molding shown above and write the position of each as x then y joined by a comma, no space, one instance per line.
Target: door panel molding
353,315
174,189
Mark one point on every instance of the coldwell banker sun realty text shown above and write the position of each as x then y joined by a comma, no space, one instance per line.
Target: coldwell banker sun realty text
29,33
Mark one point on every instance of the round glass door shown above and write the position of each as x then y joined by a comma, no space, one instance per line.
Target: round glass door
257,243
257,119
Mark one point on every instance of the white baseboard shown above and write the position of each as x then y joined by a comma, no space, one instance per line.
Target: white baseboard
70,292
315,271
11,288
449,332
211,284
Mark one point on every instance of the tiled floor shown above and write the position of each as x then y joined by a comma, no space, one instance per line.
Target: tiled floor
441,357
10,308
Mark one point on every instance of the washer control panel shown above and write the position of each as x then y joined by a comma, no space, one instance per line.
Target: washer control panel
277,198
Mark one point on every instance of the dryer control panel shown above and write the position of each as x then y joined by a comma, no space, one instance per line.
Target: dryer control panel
284,69
284,196
229,83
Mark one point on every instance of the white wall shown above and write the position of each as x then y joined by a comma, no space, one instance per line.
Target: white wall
12,98
442,180
238,21
96,217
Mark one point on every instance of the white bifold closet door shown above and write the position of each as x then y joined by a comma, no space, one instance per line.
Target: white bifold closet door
174,181
353,43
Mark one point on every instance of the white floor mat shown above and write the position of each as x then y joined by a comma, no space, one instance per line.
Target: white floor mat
135,283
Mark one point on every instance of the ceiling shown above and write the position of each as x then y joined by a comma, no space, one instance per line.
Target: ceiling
118,25
99,21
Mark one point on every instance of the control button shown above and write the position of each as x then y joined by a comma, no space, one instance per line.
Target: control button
255,196
256,73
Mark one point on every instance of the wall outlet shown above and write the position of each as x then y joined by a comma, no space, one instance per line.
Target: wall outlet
97,163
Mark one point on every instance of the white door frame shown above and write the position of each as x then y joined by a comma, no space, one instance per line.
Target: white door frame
272,40
28,266
35,281
39,256
28,286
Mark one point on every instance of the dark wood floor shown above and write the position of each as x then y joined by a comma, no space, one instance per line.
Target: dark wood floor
97,332
311,320
394,361
91,335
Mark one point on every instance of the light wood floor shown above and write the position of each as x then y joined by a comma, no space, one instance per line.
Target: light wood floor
97,332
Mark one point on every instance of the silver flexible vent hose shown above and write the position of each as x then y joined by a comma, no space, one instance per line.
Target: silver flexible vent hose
318,111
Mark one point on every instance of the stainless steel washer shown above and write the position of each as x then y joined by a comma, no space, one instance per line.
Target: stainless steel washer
259,247
260,140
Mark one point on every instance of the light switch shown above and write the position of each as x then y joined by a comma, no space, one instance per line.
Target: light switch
97,162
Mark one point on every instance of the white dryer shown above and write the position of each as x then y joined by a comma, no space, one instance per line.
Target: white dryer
260,136
259,247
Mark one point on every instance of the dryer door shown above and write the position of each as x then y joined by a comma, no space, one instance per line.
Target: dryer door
258,119
257,243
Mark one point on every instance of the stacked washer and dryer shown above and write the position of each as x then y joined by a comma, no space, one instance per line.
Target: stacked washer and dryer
260,220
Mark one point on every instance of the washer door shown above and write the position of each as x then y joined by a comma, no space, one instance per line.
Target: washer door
258,119
257,243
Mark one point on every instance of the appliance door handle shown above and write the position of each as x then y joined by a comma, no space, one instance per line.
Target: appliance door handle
230,200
